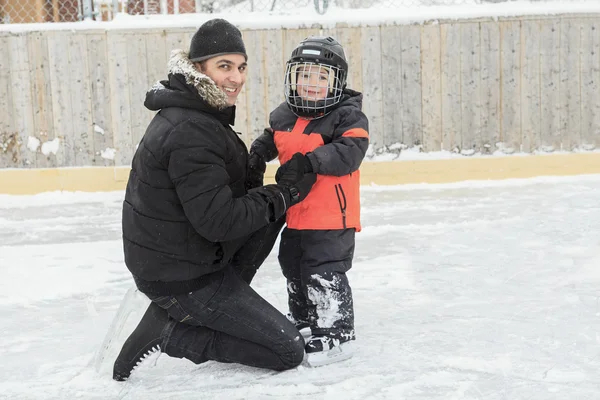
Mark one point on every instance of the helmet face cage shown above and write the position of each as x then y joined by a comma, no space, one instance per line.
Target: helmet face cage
313,89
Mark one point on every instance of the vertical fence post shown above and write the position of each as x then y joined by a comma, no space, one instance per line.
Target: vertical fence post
40,14
87,10
55,11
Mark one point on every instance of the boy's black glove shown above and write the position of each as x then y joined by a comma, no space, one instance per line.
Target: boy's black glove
293,170
299,190
286,195
255,172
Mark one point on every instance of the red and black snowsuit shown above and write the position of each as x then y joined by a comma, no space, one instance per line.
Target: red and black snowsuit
317,246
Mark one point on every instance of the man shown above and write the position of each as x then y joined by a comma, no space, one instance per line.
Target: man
193,234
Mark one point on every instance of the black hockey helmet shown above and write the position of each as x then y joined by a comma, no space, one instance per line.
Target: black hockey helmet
322,58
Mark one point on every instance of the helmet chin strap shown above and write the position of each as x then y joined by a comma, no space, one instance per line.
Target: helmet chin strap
312,109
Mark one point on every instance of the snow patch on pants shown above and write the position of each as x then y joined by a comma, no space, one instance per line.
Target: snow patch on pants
326,298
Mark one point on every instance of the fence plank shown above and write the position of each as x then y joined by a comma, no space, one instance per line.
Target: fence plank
61,100
350,39
120,99
22,103
570,84
41,96
81,100
241,106
431,97
100,100
256,93
450,75
241,114
412,133
138,83
392,97
490,86
176,39
510,38
274,61
7,126
590,84
157,55
372,79
470,70
550,82
530,85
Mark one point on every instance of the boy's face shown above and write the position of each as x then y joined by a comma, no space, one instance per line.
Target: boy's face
312,82
228,72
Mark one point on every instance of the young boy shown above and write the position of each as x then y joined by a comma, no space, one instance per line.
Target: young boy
320,125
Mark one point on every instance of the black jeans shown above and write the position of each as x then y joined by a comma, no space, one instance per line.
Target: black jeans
253,252
228,321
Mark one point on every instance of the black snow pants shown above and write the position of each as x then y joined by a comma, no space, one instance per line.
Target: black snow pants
315,263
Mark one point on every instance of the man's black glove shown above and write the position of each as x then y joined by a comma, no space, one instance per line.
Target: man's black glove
294,170
293,185
299,190
256,171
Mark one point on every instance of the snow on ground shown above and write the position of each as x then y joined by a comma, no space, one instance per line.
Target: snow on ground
474,290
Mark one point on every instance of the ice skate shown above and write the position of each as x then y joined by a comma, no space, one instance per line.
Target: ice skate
143,342
323,350
130,312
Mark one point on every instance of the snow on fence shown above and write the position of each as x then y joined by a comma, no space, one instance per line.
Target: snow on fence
75,98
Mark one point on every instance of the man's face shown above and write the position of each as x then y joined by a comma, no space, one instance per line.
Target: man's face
228,72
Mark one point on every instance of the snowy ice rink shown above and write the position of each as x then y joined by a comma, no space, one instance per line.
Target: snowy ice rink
463,291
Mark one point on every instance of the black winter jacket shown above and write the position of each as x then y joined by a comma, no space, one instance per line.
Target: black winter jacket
186,210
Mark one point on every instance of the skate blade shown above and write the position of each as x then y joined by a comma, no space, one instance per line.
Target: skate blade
149,361
130,312
339,353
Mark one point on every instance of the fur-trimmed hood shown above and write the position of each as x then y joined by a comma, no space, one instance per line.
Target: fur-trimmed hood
183,87
179,63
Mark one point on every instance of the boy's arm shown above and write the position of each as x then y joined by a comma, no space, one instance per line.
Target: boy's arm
263,149
347,149
264,146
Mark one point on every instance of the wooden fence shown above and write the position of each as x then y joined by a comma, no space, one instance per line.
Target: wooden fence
75,98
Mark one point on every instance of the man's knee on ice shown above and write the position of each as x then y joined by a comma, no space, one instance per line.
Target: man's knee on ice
294,354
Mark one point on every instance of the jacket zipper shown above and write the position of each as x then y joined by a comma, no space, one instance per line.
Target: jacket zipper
339,191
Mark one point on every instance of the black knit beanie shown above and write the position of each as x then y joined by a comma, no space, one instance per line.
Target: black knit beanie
214,38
